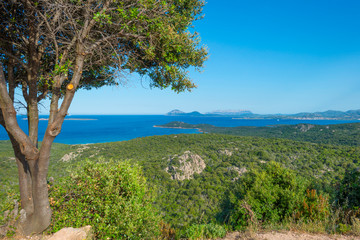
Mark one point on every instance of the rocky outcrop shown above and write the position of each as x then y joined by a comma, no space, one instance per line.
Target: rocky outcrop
72,155
84,233
73,234
185,166
226,152
305,127
239,171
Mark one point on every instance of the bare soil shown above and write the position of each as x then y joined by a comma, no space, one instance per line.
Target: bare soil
286,235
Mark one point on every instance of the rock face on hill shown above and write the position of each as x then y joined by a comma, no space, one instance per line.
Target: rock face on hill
239,171
305,127
185,166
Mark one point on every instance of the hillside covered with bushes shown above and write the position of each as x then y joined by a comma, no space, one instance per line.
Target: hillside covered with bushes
209,183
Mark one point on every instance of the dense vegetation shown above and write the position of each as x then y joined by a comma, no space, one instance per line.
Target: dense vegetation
110,196
338,134
233,177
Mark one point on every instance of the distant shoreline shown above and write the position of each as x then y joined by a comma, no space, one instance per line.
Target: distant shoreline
80,119
157,126
68,119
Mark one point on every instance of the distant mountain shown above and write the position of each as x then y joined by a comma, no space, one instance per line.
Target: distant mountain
330,114
246,114
177,112
231,112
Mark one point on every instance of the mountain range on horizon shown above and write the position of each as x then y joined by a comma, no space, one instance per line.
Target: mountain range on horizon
246,114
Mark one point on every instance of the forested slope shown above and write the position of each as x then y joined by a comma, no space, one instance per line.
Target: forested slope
193,172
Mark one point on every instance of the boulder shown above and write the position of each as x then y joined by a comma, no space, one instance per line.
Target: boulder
73,234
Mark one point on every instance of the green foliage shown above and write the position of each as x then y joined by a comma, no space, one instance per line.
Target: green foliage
349,189
272,194
344,228
205,231
155,40
112,196
152,38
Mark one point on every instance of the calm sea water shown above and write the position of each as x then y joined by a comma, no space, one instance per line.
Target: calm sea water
107,128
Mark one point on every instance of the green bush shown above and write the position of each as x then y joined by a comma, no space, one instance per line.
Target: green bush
205,231
269,196
110,196
349,189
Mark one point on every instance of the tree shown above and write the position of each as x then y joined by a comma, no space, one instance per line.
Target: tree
50,49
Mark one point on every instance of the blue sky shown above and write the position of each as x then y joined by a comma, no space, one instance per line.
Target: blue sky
276,56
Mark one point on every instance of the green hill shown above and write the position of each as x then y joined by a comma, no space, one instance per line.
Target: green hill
338,134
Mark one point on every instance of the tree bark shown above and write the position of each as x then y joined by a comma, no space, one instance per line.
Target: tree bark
24,178
32,167
33,189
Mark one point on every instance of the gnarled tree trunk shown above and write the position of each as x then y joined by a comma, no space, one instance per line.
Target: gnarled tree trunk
33,163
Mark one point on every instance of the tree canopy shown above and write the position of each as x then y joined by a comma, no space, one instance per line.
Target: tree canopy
50,49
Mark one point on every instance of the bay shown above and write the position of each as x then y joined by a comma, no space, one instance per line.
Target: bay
82,129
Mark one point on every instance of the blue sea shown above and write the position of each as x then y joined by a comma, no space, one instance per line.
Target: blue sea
81,129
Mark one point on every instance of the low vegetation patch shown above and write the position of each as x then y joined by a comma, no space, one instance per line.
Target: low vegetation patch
112,196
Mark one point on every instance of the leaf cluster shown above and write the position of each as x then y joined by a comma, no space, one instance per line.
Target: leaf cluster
149,37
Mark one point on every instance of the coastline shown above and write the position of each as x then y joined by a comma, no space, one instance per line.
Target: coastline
68,119
158,126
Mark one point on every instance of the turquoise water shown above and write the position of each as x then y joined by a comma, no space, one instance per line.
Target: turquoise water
83,129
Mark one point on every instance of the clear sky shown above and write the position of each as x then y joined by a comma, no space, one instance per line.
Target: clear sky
275,56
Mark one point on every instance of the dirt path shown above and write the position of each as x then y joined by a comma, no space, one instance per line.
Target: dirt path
286,236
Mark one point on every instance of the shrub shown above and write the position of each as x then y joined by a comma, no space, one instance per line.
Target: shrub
349,189
205,231
314,207
274,193
110,196
269,196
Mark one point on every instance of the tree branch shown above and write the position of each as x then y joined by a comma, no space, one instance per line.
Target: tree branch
18,60
10,121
